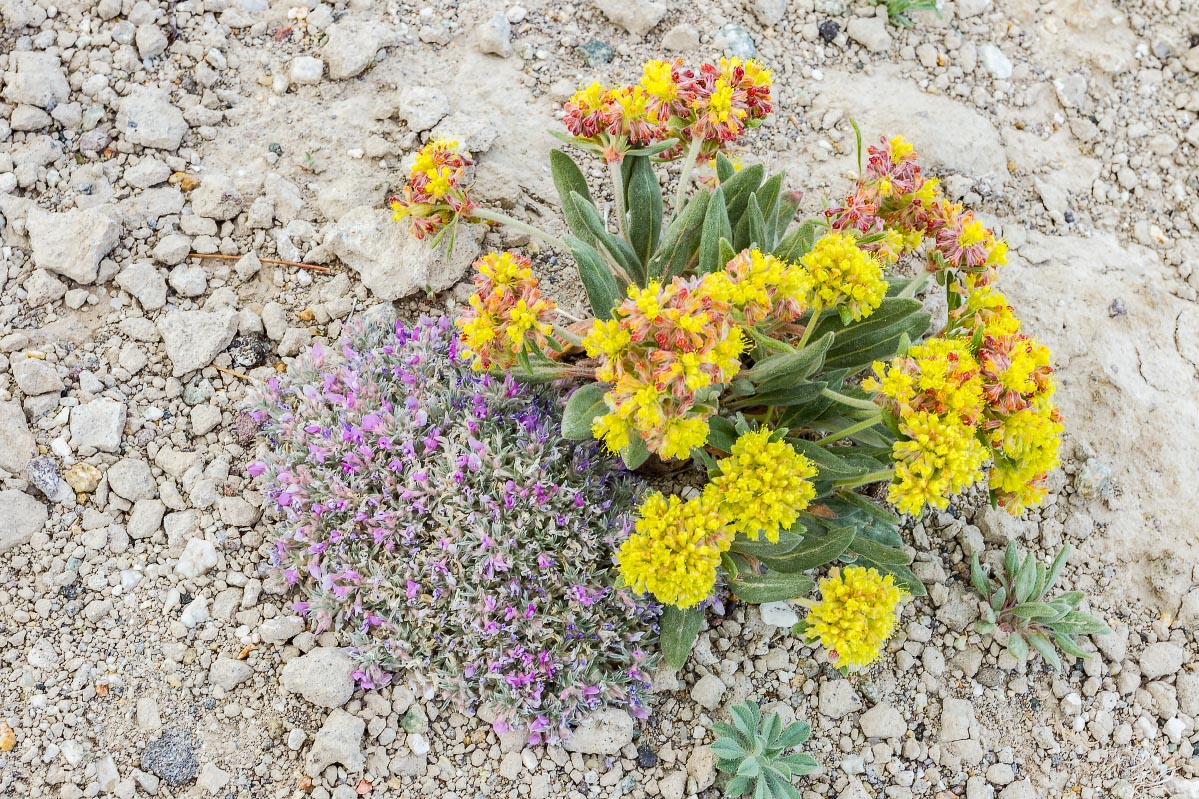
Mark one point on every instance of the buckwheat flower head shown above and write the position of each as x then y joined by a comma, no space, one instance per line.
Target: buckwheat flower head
1026,445
506,313
675,549
585,114
1015,370
763,288
844,276
763,485
435,195
936,458
984,307
669,87
726,99
667,347
939,375
855,615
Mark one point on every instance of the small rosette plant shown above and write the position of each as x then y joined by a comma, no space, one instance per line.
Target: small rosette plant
792,359
755,753
434,516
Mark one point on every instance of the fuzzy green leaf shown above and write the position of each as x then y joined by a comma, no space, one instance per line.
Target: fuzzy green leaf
738,188
716,227
1056,567
773,586
645,209
581,409
905,578
800,763
879,554
1017,647
1067,645
721,434
568,180
788,369
724,167
679,245
1079,623
772,726
795,734
617,248
798,242
802,394
978,578
1011,562
1045,648
1035,610
599,282
788,542
768,200
1026,578
727,749
984,627
820,545
679,629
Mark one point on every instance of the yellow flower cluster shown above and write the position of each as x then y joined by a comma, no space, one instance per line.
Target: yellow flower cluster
664,351
434,195
937,457
983,307
506,314
762,288
844,276
940,376
855,616
675,549
763,485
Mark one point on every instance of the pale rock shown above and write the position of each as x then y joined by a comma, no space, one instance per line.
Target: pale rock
195,613
131,478
708,691
34,376
145,519
280,629
957,720
274,320
421,107
324,677
778,614
995,62
637,17
143,281
295,340
1161,660
72,243
306,70
965,9
99,424
673,785
339,740
188,281
1019,790
494,37
229,673
883,721
352,45
1000,527
870,32
43,288
107,775
147,172
216,198
22,517
17,445
172,249
854,790
473,132
247,266
838,699
147,117
770,12
83,477
194,338
681,38
601,732
511,765
25,118
212,779
150,40
390,262
237,512
35,78
205,419
199,557
701,767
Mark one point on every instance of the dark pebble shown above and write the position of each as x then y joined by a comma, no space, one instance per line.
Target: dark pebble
596,53
990,677
249,351
646,757
829,31
171,758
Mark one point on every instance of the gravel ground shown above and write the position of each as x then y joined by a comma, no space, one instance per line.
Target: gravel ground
143,642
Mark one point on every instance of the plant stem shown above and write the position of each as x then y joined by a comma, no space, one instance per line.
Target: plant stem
916,286
524,227
868,422
811,326
562,334
766,341
866,479
685,176
618,191
852,402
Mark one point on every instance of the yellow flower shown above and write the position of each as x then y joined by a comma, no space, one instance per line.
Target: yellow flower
937,458
855,616
506,313
674,550
658,81
986,307
683,434
504,268
762,287
607,338
844,276
1026,445
763,485
900,148
940,375
613,430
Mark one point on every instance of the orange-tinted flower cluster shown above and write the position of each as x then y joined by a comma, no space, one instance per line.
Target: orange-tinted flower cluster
715,104
435,194
896,201
664,349
507,313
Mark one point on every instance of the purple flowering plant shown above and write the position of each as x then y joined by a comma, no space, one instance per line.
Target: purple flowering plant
436,518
